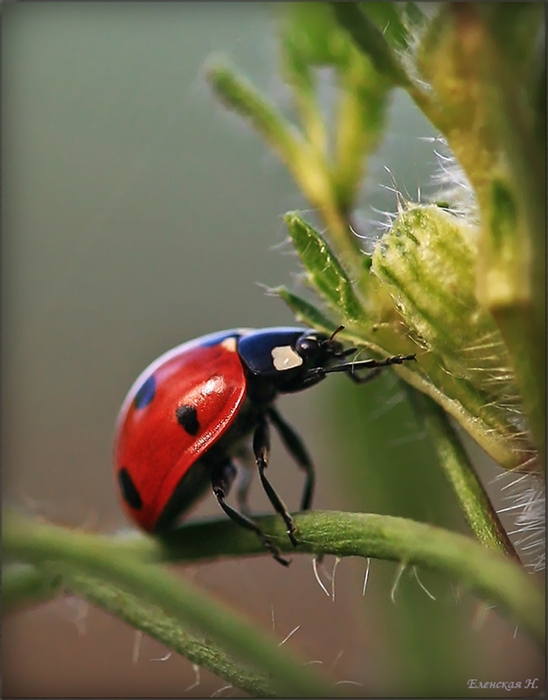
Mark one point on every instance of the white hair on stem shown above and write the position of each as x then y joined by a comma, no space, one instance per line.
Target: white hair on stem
317,575
197,679
421,584
287,637
366,576
401,569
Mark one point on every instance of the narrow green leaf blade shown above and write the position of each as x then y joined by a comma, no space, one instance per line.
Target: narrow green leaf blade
239,95
370,40
325,273
304,311
389,17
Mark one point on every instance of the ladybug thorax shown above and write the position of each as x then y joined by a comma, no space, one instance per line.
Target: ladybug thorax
282,359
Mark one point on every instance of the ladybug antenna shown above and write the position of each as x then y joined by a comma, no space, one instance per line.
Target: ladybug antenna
342,353
337,330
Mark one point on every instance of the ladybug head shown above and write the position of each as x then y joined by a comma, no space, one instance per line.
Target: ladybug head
316,349
306,360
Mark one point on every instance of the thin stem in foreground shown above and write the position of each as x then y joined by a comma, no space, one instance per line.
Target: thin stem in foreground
472,497
494,577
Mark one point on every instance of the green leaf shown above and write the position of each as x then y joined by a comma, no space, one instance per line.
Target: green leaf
324,271
310,29
238,94
304,311
305,164
370,40
391,19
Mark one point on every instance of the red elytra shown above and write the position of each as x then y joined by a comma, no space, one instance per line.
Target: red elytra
150,440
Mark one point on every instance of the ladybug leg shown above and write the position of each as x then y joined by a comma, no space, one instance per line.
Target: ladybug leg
296,448
372,374
261,450
222,477
316,374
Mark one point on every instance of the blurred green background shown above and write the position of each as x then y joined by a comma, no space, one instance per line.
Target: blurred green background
138,214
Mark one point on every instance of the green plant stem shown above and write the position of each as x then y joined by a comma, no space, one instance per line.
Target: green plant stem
19,582
22,583
472,497
494,577
40,543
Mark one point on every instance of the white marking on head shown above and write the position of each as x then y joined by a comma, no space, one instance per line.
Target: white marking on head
284,357
230,344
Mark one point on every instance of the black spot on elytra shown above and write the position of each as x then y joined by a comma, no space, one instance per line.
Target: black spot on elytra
188,419
129,490
146,393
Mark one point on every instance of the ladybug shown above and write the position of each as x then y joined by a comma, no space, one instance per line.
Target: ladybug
188,416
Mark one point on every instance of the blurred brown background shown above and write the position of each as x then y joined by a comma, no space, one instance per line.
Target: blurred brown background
138,214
